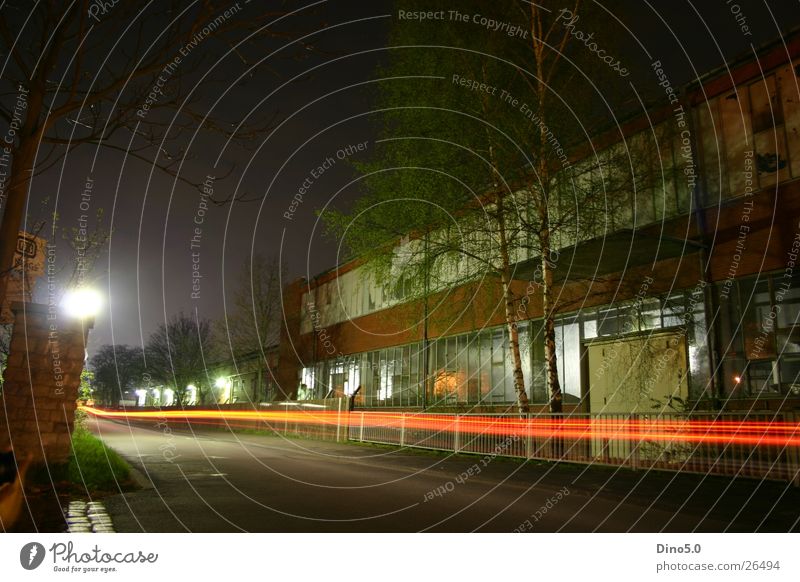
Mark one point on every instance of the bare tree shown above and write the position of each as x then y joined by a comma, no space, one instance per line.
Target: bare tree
253,322
251,327
176,353
123,76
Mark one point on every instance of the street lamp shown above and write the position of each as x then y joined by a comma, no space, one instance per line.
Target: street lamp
82,303
225,385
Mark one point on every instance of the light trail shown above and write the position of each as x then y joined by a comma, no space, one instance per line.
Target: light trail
716,432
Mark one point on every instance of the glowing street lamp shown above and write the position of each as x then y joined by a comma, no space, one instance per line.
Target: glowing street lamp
191,394
82,303
225,385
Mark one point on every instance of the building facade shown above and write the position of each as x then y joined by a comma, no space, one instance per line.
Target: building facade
691,300
250,378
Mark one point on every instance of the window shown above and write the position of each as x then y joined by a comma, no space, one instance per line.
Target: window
568,354
735,118
769,134
385,377
788,79
760,337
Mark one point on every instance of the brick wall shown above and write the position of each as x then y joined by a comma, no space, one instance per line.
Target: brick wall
40,383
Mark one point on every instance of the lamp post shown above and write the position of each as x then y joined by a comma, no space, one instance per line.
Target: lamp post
224,384
82,303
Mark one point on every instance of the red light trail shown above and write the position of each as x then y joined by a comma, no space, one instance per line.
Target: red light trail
718,432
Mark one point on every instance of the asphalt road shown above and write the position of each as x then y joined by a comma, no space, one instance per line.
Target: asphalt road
214,481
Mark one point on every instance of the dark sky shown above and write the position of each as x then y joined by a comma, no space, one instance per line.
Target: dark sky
146,273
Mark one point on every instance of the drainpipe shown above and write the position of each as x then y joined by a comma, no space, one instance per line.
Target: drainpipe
425,342
709,301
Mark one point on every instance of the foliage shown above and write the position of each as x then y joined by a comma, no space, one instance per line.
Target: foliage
475,172
116,368
86,387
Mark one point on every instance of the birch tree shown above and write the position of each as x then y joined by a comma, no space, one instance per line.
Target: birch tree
498,150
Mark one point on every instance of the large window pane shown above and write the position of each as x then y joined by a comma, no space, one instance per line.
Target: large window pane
486,364
498,367
570,362
461,367
758,328
538,391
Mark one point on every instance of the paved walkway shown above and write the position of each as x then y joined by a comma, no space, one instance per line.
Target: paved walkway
213,481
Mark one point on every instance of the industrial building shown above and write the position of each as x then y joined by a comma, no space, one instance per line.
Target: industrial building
692,301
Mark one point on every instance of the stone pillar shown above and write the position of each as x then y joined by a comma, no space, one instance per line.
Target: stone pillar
40,383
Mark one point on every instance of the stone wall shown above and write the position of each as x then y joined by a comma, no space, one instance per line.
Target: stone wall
40,383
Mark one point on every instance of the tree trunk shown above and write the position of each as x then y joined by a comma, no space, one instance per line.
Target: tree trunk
19,179
259,380
551,362
23,157
513,335
511,318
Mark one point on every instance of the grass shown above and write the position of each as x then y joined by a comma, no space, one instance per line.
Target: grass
94,465
91,466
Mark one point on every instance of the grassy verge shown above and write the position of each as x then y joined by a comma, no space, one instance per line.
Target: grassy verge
94,465
91,466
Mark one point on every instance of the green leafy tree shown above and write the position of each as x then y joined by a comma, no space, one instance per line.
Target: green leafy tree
475,173
86,387
116,369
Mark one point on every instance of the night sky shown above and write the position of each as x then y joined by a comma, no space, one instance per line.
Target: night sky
146,271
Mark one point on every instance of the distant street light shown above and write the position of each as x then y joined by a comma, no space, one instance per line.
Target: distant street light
82,303
225,385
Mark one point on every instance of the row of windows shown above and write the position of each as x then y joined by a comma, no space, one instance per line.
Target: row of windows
356,292
748,139
477,368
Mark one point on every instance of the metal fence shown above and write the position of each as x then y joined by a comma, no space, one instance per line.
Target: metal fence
763,445
760,445
318,419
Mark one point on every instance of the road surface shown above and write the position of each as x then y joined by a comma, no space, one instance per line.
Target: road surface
216,481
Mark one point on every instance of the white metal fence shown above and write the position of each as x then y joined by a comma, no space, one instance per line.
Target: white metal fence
764,445
760,445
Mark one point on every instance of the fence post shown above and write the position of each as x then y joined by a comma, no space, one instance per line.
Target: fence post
402,429
457,435
633,421
793,454
528,437
338,419
361,430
